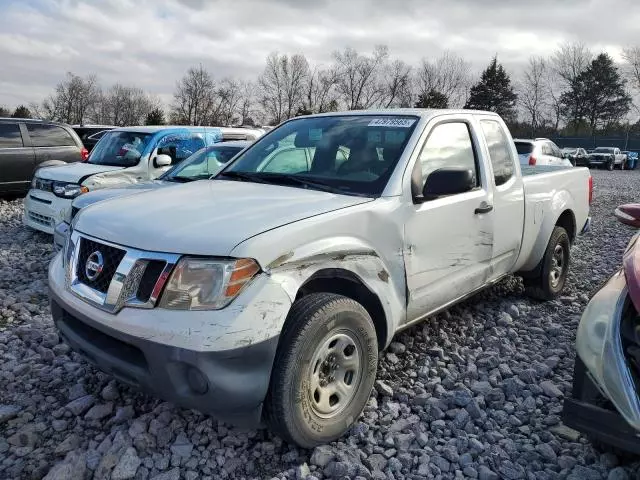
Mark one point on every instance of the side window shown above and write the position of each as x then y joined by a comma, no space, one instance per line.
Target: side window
49,136
290,160
556,151
10,136
448,145
180,146
499,151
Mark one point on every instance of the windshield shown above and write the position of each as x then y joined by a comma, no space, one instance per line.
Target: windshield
120,149
603,150
524,148
202,164
350,154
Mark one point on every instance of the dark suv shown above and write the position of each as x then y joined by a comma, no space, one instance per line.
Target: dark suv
26,145
90,134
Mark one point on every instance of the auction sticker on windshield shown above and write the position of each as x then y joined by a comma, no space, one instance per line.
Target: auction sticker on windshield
392,122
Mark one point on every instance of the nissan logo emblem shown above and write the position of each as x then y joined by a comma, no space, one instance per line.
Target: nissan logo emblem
93,267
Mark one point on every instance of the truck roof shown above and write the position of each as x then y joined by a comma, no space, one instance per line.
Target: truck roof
419,112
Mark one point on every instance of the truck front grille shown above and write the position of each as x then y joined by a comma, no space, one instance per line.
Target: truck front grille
111,276
111,259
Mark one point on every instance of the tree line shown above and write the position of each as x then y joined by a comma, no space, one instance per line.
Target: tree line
572,91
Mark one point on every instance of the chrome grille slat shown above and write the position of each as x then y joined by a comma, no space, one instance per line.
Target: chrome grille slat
122,288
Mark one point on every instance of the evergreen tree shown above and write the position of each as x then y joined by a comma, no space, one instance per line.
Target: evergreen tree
21,112
493,92
155,117
598,95
432,99
4,112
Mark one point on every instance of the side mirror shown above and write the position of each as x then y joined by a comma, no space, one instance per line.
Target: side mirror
162,160
628,214
448,181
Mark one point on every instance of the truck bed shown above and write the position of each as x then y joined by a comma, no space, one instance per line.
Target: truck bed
548,192
528,170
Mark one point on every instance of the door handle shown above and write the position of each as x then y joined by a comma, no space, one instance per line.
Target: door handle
483,208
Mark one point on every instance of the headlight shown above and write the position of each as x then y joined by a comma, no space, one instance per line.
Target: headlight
34,182
206,284
68,190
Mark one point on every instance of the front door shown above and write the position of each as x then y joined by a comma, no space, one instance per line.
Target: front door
448,241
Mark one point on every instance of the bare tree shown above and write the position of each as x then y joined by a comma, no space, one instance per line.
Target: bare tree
247,106
282,85
320,91
73,100
568,62
533,95
124,105
358,77
448,75
193,100
396,85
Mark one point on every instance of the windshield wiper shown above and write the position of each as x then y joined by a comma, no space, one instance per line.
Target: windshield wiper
299,180
243,176
178,179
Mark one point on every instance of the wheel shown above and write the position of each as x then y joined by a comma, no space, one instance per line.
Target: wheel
324,370
610,165
552,269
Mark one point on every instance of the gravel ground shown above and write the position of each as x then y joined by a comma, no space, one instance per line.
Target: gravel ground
474,393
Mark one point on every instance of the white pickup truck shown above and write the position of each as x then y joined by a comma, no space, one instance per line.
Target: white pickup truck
269,293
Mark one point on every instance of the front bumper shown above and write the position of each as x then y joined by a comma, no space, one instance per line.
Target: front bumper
218,362
599,347
44,210
585,412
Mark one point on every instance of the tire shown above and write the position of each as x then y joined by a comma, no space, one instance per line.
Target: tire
551,277
610,165
304,405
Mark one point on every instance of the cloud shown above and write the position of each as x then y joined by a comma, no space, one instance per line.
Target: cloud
151,43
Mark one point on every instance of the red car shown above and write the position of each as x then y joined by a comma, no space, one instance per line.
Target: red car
605,404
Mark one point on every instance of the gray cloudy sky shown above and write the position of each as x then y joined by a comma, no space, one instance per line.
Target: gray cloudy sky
151,43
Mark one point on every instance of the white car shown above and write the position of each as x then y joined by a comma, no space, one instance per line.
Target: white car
123,156
540,152
268,291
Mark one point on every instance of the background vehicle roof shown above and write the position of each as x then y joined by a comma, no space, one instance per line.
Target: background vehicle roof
33,120
233,143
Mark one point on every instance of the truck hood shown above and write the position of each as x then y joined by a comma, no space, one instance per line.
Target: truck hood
207,217
74,172
106,193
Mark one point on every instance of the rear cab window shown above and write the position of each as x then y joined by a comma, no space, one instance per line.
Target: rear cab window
524,148
10,136
497,140
49,136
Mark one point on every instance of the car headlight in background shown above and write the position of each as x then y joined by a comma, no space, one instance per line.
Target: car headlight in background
206,284
68,190
34,182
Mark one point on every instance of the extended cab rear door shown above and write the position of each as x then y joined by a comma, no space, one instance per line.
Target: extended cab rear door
448,240
507,216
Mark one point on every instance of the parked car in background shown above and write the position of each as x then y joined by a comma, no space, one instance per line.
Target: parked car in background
87,133
605,400
577,156
631,160
201,165
540,151
90,141
27,145
121,157
267,292
608,157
